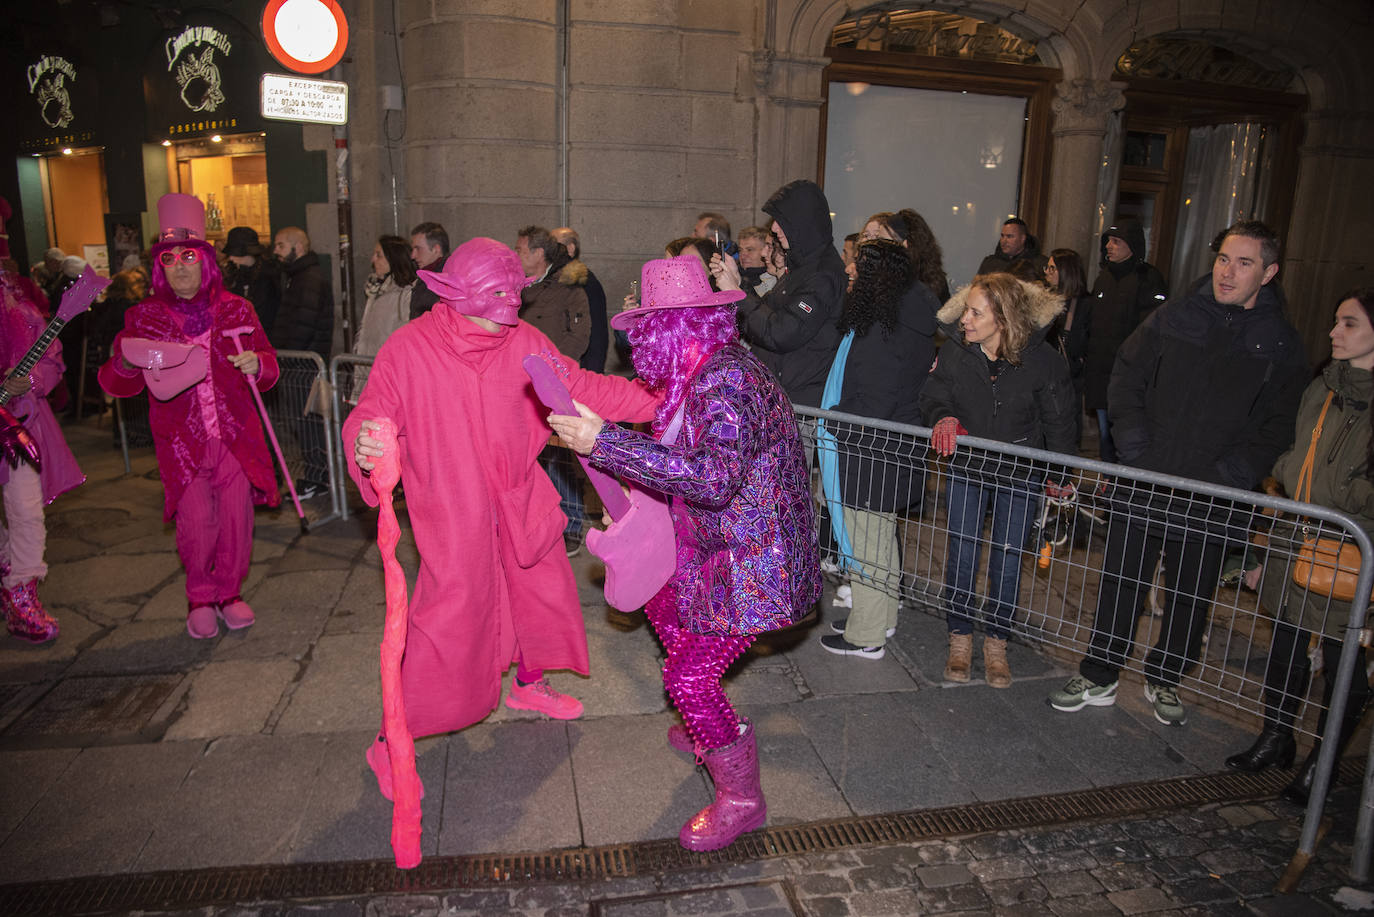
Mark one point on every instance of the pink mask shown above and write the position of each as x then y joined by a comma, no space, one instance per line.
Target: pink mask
482,277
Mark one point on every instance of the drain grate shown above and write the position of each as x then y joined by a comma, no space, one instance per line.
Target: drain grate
96,706
199,888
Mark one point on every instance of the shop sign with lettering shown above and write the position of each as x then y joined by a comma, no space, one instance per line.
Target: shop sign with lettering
62,106
299,98
202,79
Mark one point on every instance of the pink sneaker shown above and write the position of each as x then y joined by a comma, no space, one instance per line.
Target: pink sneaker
379,759
25,616
539,696
236,614
201,622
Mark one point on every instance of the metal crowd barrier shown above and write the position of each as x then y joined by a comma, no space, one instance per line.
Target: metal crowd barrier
347,376
1061,563
300,410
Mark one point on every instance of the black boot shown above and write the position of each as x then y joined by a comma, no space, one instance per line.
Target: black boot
1299,790
1274,748
1285,683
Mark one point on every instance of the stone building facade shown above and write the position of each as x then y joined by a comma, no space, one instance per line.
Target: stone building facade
669,107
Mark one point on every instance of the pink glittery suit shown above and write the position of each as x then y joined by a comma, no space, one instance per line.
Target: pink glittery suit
746,550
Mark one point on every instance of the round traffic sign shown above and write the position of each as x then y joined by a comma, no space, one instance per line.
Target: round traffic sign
307,36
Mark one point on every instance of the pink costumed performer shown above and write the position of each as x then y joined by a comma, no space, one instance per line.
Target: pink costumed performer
27,490
728,453
494,584
211,452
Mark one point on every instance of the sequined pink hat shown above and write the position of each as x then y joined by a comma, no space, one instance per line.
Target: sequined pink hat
180,218
674,283
482,277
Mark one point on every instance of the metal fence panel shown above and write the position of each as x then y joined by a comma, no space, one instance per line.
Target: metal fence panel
1191,616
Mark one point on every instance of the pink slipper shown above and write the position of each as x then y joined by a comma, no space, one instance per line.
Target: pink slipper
236,614
201,622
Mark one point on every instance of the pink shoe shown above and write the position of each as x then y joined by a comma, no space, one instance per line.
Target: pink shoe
201,622
539,696
738,806
379,759
236,614
25,616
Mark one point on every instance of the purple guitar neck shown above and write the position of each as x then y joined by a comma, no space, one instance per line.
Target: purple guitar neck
551,390
75,300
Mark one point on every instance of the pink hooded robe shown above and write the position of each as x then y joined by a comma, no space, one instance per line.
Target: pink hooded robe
493,574
22,323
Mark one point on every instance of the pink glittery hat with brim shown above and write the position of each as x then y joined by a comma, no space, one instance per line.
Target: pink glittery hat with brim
674,283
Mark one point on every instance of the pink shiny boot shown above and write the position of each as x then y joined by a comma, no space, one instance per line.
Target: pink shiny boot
739,805
25,616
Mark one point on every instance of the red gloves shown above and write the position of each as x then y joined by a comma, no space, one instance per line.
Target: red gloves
943,433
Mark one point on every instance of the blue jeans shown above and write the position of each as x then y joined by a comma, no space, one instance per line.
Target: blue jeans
968,502
1105,447
567,477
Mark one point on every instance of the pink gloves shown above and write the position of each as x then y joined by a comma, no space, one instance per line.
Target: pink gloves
1063,493
943,434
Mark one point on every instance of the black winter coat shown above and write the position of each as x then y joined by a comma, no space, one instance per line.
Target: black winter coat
1030,404
305,319
792,328
1207,391
1122,295
883,377
422,299
259,284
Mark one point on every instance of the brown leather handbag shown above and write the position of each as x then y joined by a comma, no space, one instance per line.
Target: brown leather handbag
1327,566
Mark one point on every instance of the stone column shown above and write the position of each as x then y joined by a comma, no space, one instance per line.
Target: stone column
789,91
1081,109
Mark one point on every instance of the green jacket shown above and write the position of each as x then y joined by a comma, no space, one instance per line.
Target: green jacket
1340,481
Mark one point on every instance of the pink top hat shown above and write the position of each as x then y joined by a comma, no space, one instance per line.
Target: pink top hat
180,218
482,277
674,283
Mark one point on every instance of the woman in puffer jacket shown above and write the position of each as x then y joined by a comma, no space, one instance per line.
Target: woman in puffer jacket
1333,424
996,378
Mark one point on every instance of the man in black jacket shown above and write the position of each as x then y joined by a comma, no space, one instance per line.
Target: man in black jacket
1014,243
429,250
305,321
252,276
792,327
1206,388
1126,290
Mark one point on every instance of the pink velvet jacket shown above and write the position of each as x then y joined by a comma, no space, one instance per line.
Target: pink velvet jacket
21,323
179,430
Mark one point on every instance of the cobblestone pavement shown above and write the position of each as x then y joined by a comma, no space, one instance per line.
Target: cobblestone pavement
1211,861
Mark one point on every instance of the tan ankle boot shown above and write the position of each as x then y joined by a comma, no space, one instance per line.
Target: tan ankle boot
995,667
960,657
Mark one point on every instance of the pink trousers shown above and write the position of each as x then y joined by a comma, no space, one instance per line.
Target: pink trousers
23,537
215,528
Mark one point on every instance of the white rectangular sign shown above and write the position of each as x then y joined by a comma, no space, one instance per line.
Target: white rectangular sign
299,98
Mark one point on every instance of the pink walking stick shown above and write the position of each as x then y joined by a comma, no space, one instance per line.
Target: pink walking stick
405,782
235,334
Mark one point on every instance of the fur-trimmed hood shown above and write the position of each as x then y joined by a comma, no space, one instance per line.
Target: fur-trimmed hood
573,274
1045,307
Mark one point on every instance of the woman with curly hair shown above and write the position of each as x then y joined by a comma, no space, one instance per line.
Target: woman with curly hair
997,378
911,230
888,323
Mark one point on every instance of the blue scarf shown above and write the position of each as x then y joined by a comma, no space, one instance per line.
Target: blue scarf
829,454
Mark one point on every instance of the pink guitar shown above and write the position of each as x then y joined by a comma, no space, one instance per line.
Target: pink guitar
639,548
75,300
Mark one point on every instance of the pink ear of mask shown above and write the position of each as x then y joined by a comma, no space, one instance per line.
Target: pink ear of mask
386,469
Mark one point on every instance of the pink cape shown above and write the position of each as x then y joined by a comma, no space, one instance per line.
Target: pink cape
487,522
